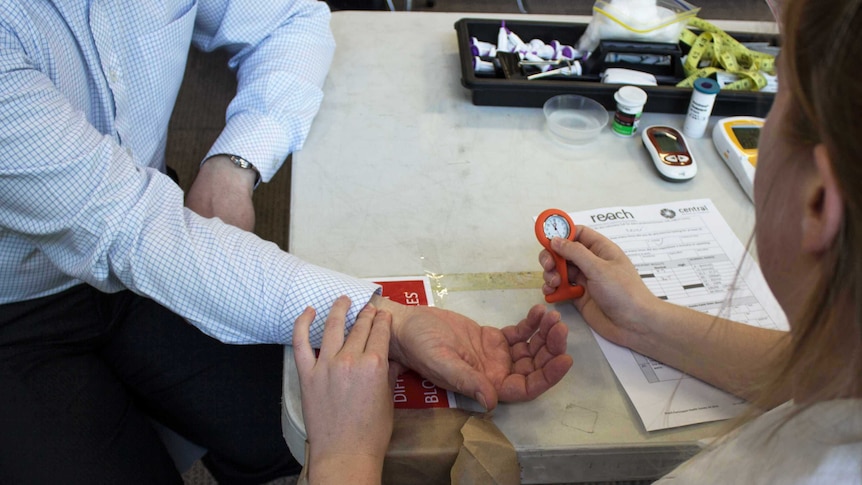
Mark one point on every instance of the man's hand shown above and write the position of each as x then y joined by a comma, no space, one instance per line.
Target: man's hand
516,363
223,190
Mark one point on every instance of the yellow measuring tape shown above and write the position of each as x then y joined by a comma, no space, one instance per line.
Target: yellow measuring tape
714,50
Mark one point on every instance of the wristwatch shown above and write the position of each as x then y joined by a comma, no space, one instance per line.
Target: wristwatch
243,163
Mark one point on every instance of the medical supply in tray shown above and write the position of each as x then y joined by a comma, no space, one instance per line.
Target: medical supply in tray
638,20
505,76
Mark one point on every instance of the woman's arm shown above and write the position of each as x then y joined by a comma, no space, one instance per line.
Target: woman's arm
729,355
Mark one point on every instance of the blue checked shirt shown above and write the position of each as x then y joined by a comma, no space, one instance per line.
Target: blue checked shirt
86,91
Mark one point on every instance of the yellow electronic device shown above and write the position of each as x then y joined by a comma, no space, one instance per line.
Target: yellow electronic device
736,140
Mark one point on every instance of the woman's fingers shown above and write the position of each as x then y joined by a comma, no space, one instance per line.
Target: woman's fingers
303,354
378,339
333,330
355,342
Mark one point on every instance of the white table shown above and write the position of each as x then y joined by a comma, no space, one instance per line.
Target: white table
402,175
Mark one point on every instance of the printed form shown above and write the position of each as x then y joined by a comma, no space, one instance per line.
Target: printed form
686,254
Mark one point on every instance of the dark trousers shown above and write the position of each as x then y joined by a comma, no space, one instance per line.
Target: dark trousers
82,372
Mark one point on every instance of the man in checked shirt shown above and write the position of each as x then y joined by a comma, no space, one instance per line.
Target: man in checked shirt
119,304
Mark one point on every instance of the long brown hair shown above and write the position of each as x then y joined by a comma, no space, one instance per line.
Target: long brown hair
821,53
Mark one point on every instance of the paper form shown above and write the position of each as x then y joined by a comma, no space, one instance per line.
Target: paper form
686,254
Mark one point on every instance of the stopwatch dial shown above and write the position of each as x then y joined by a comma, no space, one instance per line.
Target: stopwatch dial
556,226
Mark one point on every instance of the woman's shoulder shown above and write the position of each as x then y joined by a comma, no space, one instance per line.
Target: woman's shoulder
821,443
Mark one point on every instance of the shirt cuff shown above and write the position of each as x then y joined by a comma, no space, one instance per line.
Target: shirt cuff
256,138
324,287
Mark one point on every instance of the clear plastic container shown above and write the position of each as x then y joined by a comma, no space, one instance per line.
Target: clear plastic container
574,119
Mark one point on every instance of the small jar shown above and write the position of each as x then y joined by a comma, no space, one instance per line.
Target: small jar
630,105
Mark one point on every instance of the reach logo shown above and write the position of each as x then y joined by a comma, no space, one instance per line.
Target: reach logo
612,216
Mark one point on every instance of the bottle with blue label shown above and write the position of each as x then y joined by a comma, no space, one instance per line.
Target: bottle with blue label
700,107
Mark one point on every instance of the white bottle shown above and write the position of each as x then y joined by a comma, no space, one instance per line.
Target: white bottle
700,107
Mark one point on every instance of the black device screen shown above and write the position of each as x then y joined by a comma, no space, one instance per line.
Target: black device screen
668,143
747,136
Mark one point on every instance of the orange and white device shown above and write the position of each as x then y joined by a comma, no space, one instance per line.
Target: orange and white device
669,152
736,140
553,223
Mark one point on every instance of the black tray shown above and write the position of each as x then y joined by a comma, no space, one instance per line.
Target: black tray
502,91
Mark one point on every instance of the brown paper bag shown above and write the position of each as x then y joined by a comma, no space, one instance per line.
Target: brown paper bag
486,456
443,446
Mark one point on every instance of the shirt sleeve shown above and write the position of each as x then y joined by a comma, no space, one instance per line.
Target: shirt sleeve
281,57
76,196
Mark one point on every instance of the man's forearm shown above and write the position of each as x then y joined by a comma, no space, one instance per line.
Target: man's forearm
224,190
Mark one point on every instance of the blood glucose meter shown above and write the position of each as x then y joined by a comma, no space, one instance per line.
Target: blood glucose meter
736,140
670,153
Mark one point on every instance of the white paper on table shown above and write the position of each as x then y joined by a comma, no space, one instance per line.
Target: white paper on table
687,254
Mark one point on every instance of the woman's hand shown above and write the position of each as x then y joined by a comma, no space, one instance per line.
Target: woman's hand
616,303
346,394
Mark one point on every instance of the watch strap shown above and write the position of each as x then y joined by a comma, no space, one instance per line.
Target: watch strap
243,163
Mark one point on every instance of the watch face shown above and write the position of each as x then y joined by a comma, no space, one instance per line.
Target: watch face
556,226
